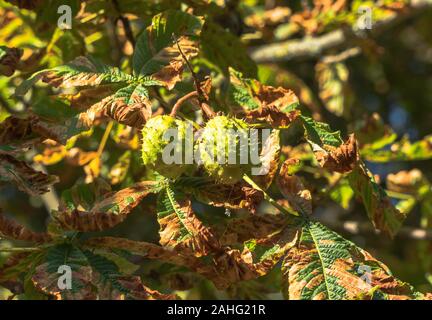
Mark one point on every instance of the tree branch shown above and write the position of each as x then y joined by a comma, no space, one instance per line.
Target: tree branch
311,47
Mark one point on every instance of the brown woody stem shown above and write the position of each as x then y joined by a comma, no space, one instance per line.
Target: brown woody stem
180,102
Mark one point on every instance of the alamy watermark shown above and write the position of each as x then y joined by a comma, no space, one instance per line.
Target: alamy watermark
64,281
65,19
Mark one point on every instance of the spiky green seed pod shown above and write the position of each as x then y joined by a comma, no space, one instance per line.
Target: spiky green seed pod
221,136
155,141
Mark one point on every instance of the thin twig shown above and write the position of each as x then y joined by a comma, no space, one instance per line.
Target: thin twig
180,102
126,24
201,96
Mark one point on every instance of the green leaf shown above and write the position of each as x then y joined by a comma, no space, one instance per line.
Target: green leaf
320,133
156,48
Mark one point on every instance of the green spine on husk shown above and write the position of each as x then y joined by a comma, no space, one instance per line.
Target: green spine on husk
220,135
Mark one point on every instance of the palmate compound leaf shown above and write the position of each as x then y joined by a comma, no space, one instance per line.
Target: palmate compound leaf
11,229
180,229
224,266
326,266
106,212
156,52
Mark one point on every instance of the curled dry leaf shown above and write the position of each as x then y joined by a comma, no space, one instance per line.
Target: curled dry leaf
273,103
236,196
341,159
12,230
25,177
9,59
257,226
133,114
269,161
291,186
106,213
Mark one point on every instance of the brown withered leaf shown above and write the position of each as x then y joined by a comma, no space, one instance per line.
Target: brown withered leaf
107,212
236,196
407,182
13,230
341,159
135,114
180,229
269,161
145,249
170,74
138,291
85,98
231,266
17,134
14,265
25,177
272,104
257,226
9,59
292,188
